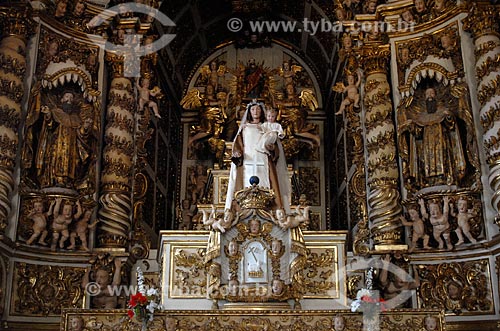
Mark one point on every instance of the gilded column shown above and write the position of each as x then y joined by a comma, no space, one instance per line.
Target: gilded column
12,72
117,162
383,194
483,24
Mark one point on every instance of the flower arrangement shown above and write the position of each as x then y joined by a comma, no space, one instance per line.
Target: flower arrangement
144,303
367,303
366,299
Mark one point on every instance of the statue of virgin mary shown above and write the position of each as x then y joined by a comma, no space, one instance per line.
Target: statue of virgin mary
247,160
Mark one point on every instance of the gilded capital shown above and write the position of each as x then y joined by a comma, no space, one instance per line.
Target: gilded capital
374,59
116,64
482,21
16,21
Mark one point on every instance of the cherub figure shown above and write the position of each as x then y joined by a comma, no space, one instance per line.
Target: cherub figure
39,219
61,7
338,323
439,220
464,215
208,219
213,73
439,7
277,287
276,247
144,96
430,323
292,221
62,221
370,7
233,287
218,224
233,248
420,6
272,131
76,323
186,215
288,71
347,46
418,228
447,42
79,8
351,89
170,324
81,229
198,179
104,299
396,284
407,16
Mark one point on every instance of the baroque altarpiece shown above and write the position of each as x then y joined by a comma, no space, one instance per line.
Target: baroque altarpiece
377,155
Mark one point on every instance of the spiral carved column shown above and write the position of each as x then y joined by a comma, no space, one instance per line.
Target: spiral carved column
116,181
483,24
383,194
12,72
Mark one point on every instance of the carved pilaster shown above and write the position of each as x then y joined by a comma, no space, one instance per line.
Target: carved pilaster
140,241
482,22
357,182
12,71
383,196
116,183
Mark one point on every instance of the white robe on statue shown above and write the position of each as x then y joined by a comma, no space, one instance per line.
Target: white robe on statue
257,164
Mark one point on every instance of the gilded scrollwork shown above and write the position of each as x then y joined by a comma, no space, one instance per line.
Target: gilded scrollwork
490,117
309,177
57,49
189,278
42,290
459,287
441,46
243,320
320,273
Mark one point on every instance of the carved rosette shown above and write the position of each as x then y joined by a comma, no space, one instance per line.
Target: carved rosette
115,200
483,24
12,71
383,195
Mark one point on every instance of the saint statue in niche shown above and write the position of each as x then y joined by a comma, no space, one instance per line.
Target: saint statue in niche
436,140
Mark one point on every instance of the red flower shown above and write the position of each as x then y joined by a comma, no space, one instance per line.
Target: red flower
137,299
130,314
141,298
